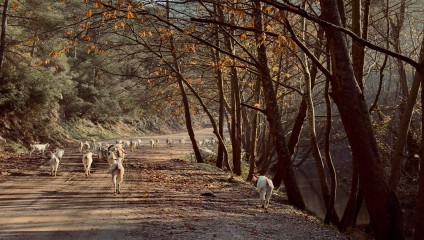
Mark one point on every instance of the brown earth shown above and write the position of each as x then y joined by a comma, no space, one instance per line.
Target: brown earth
164,196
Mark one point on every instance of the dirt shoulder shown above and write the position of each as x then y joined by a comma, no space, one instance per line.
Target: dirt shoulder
165,196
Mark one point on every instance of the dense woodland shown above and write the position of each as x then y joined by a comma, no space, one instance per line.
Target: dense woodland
290,80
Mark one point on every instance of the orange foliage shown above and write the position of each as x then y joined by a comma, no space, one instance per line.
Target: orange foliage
88,13
15,5
130,15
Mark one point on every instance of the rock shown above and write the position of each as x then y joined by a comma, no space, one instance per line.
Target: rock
208,194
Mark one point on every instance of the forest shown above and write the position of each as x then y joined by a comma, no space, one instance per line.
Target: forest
333,85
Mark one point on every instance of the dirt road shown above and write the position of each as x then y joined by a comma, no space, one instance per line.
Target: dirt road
162,198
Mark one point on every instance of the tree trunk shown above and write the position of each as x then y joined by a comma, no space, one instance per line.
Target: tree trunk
397,157
254,135
382,203
358,49
3,32
263,144
214,125
342,12
396,31
269,152
358,55
349,212
313,139
187,114
419,208
220,84
235,122
301,114
246,129
235,103
285,170
404,125
311,123
331,213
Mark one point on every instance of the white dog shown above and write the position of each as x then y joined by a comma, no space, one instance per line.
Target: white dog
265,188
39,147
59,153
87,160
54,164
117,170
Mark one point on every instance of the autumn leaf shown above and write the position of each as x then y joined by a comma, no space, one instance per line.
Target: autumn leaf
98,4
130,15
268,8
122,24
282,39
243,36
190,81
292,45
15,5
240,13
88,13
268,27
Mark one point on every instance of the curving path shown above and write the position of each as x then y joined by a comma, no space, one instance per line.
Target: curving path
161,199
